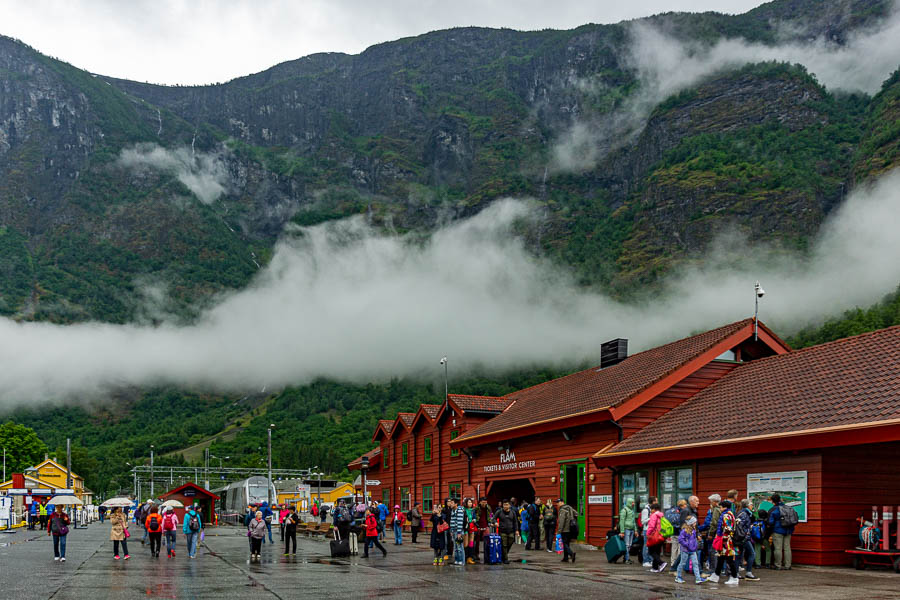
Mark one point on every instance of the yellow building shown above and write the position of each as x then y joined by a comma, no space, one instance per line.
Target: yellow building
330,494
55,474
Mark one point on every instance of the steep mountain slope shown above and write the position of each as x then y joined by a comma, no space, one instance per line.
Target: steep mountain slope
410,133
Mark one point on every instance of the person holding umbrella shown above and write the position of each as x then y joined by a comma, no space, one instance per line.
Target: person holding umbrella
58,527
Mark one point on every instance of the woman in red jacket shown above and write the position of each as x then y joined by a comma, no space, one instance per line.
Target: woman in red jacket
372,534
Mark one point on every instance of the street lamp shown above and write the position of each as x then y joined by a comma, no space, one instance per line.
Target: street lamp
269,487
151,471
364,467
444,362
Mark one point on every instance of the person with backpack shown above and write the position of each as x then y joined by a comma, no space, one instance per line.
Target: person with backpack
549,524
567,527
153,525
761,534
170,530
533,514
415,521
289,524
267,519
743,537
191,529
58,527
382,516
673,518
507,520
118,532
724,545
342,520
782,519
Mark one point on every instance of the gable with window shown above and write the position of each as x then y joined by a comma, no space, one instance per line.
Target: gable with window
453,435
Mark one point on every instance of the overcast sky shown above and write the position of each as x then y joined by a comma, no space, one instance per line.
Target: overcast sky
206,41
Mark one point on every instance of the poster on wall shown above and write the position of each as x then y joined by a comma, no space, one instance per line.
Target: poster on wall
628,483
5,508
668,481
642,483
790,485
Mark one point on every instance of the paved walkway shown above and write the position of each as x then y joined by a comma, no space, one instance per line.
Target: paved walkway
222,571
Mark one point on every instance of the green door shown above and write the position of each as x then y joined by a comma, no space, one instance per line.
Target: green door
571,490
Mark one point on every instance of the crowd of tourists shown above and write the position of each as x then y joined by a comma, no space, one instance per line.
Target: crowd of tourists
457,530
734,534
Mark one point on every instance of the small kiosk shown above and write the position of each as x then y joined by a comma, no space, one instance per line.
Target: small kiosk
191,493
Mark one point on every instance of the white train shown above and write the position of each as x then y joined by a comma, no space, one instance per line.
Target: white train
235,497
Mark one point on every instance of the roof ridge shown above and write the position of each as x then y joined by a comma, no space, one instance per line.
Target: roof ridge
747,320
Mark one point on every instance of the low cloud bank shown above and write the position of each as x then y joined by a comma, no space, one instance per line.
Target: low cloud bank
341,301
202,173
665,66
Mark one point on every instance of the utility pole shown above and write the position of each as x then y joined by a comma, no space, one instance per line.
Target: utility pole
269,487
151,471
206,470
364,468
319,488
68,464
4,463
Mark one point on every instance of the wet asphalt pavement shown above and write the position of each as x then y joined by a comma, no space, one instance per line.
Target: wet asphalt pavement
222,570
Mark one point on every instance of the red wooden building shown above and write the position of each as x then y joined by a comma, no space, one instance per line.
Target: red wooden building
657,423
191,493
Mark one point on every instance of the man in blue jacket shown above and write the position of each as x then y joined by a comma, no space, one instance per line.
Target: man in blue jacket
781,538
267,517
191,529
382,518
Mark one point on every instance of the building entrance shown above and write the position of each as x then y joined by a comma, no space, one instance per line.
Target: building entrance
571,490
521,489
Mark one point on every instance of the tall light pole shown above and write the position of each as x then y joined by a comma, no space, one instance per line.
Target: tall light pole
364,467
151,471
269,487
68,464
4,463
444,362
206,468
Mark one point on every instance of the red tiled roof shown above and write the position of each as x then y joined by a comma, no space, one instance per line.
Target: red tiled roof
383,425
407,418
431,410
374,458
841,384
482,404
595,389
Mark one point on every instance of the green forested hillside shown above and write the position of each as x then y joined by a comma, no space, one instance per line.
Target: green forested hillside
410,134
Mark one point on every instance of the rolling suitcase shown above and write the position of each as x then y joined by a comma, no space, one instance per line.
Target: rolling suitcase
339,548
615,547
493,549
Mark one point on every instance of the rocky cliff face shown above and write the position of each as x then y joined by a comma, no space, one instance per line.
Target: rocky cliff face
411,132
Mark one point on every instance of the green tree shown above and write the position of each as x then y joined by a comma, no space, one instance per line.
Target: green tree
23,447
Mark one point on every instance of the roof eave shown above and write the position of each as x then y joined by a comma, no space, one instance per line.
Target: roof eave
586,418
844,435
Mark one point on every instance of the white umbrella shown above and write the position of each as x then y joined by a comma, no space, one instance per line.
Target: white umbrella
65,500
173,504
121,502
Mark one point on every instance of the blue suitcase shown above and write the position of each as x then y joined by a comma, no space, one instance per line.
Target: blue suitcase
493,549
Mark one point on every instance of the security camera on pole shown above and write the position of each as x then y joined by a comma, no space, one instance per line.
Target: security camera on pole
759,294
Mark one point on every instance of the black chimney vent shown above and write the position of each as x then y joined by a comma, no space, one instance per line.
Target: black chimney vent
613,352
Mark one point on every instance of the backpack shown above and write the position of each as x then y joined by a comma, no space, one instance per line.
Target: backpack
54,525
666,529
789,516
740,531
154,523
638,523
169,521
673,515
757,531
573,528
194,523
344,515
